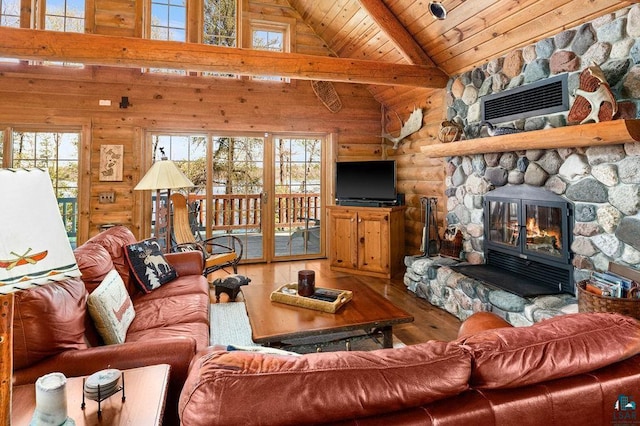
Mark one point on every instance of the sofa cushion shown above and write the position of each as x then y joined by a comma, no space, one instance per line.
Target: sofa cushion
562,346
48,320
111,309
322,387
152,313
149,267
94,262
199,331
114,240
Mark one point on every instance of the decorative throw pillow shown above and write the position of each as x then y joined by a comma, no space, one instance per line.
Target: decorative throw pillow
148,264
111,309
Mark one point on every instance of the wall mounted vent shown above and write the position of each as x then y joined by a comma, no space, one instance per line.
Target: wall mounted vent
539,98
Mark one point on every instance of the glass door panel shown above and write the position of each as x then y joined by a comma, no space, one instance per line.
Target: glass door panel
544,230
297,201
237,191
503,223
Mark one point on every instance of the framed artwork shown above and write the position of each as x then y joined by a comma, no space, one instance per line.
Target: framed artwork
111,158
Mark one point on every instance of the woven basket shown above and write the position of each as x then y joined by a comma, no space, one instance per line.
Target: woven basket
452,248
591,302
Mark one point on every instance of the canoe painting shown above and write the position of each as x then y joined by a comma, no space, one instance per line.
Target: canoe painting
23,259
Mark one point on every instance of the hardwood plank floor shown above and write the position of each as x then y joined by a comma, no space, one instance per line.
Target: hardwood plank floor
430,323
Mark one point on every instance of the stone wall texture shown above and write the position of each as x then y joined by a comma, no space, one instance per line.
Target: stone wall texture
603,183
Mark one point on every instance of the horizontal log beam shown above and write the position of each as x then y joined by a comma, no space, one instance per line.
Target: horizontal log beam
130,52
584,135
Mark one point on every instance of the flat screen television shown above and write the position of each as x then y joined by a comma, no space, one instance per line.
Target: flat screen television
366,180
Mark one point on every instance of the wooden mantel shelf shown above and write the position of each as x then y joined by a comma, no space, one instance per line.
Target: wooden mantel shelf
592,134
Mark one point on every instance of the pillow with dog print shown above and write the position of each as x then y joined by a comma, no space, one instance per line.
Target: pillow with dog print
148,265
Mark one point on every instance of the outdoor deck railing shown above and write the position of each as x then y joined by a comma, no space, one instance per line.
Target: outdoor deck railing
242,211
230,211
69,211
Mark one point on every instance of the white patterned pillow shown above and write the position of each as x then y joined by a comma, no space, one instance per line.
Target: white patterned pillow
111,309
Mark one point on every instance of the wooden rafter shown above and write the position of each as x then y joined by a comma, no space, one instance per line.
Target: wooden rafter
396,32
129,52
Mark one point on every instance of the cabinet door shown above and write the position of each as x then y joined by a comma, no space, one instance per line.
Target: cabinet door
343,228
373,241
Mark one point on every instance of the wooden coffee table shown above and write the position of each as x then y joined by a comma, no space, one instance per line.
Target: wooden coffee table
273,323
145,390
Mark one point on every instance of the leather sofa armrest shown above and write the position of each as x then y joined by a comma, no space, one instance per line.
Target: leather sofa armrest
175,351
481,321
186,262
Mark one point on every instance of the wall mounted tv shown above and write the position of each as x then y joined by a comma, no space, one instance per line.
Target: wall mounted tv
366,181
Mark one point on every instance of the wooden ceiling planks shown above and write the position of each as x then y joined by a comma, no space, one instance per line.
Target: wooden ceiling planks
396,32
518,30
473,32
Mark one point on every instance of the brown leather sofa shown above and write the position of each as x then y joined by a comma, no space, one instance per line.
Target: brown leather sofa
570,370
53,330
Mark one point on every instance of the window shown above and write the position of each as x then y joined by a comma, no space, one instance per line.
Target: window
219,26
64,15
272,37
58,153
10,13
9,17
168,21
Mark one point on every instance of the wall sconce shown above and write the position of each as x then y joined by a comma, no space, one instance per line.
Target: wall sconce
124,102
437,10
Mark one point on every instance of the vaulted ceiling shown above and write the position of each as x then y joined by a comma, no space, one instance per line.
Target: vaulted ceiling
474,31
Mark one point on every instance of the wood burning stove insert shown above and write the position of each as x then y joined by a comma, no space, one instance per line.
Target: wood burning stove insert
527,235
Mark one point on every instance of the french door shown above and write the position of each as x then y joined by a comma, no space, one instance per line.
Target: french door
297,205
264,189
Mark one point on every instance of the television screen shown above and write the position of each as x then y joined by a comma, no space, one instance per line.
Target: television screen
366,180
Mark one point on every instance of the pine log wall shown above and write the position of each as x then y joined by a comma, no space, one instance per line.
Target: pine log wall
418,175
37,96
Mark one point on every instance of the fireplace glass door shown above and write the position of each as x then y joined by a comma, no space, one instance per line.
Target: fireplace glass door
544,230
503,223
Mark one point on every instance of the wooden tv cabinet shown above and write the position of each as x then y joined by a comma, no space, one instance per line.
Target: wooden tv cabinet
366,240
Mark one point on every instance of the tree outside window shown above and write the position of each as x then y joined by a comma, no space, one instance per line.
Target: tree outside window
10,13
219,26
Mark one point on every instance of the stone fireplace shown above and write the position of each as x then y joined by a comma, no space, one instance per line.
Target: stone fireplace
527,234
599,185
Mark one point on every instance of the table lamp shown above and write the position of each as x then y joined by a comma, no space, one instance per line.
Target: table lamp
163,175
34,250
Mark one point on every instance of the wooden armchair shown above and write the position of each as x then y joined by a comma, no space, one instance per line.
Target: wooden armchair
219,252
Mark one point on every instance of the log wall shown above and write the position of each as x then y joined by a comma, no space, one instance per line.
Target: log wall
37,97
418,175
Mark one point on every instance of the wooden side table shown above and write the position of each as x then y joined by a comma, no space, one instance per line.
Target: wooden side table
146,392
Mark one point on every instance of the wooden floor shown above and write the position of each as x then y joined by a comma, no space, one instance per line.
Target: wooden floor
430,323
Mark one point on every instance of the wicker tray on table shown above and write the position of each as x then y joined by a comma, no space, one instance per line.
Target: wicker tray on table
288,294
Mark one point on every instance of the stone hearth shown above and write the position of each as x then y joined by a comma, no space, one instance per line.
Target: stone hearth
433,279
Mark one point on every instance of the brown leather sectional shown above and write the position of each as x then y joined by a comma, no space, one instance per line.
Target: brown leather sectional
571,370
53,330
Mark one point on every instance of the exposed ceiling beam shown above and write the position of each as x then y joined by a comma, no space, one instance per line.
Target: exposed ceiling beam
397,33
129,52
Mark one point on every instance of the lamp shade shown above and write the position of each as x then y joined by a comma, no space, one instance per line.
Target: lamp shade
34,248
163,174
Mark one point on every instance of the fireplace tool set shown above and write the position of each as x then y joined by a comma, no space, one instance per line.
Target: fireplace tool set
430,236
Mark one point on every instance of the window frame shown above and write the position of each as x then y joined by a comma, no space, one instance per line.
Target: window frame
253,23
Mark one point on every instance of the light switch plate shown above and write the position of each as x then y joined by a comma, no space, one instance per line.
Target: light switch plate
106,197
